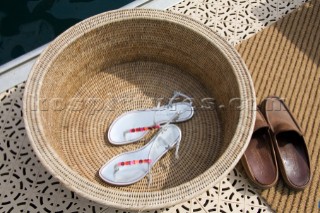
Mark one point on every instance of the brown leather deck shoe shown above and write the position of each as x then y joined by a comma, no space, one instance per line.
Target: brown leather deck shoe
259,160
289,144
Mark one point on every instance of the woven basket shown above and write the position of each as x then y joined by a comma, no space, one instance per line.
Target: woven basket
131,59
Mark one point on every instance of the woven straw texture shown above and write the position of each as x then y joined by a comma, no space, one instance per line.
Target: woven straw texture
284,60
131,59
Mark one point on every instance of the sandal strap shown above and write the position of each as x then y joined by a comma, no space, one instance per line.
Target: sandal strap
131,162
177,94
175,116
141,129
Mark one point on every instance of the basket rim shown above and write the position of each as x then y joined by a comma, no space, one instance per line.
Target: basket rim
132,200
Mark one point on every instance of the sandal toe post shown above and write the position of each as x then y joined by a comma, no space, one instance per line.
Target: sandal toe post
289,143
259,159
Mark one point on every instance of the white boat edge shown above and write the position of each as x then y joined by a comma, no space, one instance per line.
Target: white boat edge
17,70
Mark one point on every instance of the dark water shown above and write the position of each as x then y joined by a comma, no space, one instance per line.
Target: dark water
28,24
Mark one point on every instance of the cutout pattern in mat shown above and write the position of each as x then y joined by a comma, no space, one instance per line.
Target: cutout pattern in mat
236,20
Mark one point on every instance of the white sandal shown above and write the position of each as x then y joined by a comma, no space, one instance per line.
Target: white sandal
130,167
134,125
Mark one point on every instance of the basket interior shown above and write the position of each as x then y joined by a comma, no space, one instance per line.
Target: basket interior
132,64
